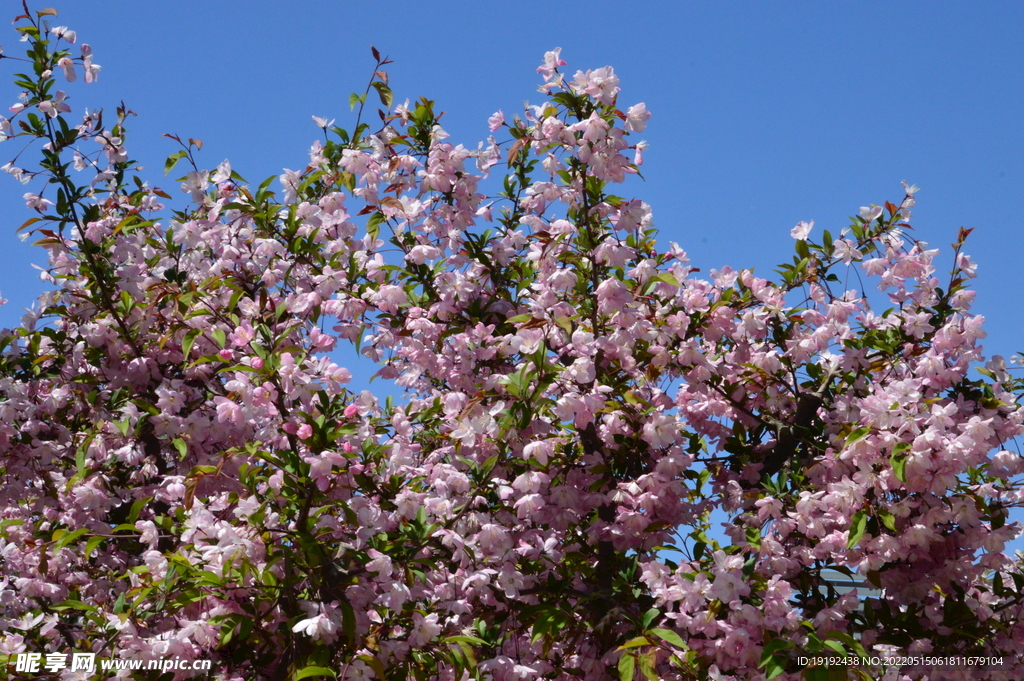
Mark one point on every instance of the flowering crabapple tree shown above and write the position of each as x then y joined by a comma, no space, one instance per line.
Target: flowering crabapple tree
187,475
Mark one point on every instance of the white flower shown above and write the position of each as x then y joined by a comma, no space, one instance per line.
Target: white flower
493,539
381,564
27,621
222,174
637,117
317,627
423,629
660,431
540,451
359,670
521,671
870,213
801,230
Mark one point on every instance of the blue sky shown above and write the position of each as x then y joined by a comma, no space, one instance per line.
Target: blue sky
764,114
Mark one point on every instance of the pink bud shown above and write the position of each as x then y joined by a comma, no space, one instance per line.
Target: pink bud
351,410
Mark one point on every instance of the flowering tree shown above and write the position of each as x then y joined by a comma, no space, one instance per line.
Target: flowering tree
186,474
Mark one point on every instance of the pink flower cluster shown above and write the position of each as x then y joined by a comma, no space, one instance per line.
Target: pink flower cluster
188,475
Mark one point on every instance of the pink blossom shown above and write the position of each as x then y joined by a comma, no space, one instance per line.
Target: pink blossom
568,398
92,70
65,33
389,298
496,120
638,156
541,451
242,335
68,67
846,250
55,106
637,117
424,629
602,84
36,202
228,411
552,60
870,213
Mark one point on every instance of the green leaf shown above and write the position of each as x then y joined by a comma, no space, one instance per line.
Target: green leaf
122,426
857,526
852,643
898,460
465,639
74,605
348,622
307,672
650,616
666,277
772,647
136,509
899,466
669,636
801,249
386,97
647,665
565,323
627,663
91,545
80,458
857,436
172,161
888,519
836,646
635,643
353,99
190,338
511,383
773,669
373,224
28,223
462,645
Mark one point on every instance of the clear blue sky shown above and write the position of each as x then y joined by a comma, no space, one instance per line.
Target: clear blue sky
764,114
